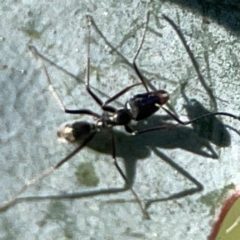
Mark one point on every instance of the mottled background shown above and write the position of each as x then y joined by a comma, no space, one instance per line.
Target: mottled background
30,116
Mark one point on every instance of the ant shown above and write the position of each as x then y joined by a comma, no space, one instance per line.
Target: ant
139,107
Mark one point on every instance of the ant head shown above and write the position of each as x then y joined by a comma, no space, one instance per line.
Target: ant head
74,131
162,95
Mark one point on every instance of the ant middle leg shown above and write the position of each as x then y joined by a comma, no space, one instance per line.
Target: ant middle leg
87,84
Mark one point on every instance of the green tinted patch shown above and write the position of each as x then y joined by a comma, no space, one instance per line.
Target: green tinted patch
86,175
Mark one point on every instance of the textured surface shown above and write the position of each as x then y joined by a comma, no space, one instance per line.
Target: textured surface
30,116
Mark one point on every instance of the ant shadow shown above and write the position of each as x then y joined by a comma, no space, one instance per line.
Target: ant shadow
172,137
190,139
214,10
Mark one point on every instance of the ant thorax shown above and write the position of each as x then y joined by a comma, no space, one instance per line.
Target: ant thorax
121,117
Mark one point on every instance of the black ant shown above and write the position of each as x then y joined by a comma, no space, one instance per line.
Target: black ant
139,107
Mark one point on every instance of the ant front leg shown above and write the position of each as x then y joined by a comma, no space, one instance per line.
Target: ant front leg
141,77
92,94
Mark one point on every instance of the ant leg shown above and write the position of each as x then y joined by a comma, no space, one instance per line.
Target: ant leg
92,94
128,185
129,129
200,117
119,94
43,174
103,105
193,60
180,122
79,80
16,199
55,95
114,49
137,53
198,188
203,115
36,53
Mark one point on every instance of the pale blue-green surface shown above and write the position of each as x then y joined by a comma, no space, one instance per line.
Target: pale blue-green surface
30,117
